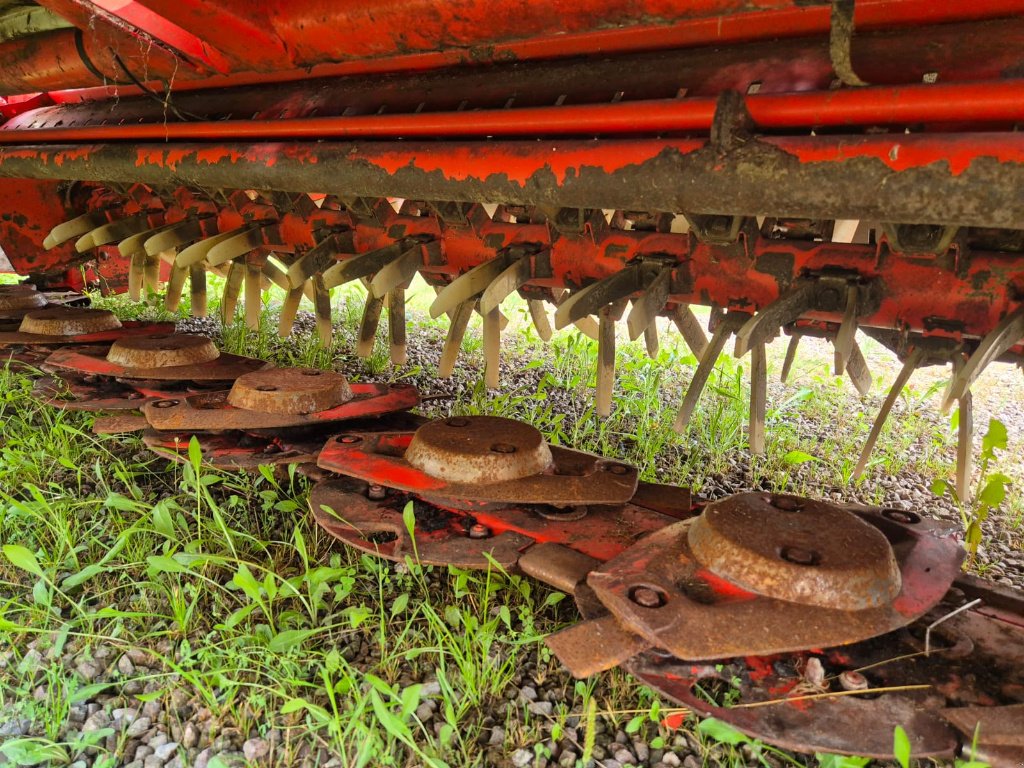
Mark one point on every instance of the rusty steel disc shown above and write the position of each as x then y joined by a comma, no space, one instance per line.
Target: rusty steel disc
95,360
693,613
478,449
23,297
69,321
290,391
127,328
212,411
798,550
172,350
571,478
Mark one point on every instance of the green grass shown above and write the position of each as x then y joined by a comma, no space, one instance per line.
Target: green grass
250,610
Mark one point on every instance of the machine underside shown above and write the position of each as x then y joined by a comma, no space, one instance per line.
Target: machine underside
802,168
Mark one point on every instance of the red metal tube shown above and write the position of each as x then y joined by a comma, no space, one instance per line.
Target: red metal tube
416,35
999,102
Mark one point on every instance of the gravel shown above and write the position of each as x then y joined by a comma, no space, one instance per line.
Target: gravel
176,730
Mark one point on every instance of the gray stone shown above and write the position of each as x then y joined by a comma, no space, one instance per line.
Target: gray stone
124,716
424,712
88,671
521,758
152,709
612,763
138,727
691,761
143,752
152,762
497,736
190,735
624,756
641,751
431,688
96,721
203,758
166,751
254,749
528,693
671,758
542,708
125,666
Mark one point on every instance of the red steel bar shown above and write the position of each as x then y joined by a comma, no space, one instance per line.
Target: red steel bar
327,38
991,102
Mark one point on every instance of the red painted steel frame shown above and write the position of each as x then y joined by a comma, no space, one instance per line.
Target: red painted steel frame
276,40
998,102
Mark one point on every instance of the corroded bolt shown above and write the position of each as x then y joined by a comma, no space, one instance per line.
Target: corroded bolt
853,681
646,597
503,448
165,403
349,439
901,516
458,421
479,531
376,492
618,469
800,556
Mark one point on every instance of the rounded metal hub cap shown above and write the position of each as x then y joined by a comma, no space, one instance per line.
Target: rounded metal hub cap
478,449
15,297
290,390
796,550
69,321
162,351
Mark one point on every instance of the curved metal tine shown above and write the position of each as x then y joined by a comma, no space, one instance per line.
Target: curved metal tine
469,284
607,316
453,341
1008,332
514,277
397,272
765,325
73,229
911,364
276,275
651,340
858,371
588,326
787,364
253,291
314,261
175,286
151,273
846,338
964,439
197,280
646,308
396,325
136,274
232,288
689,326
368,325
322,310
174,236
235,246
539,315
726,327
111,232
362,265
758,397
198,252
289,308
591,298
136,243
492,348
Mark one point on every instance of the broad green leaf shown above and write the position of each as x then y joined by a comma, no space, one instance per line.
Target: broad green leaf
939,488
827,760
33,751
244,580
195,452
87,692
901,747
721,732
994,491
165,564
289,638
995,438
400,603
409,518
22,557
83,576
798,457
